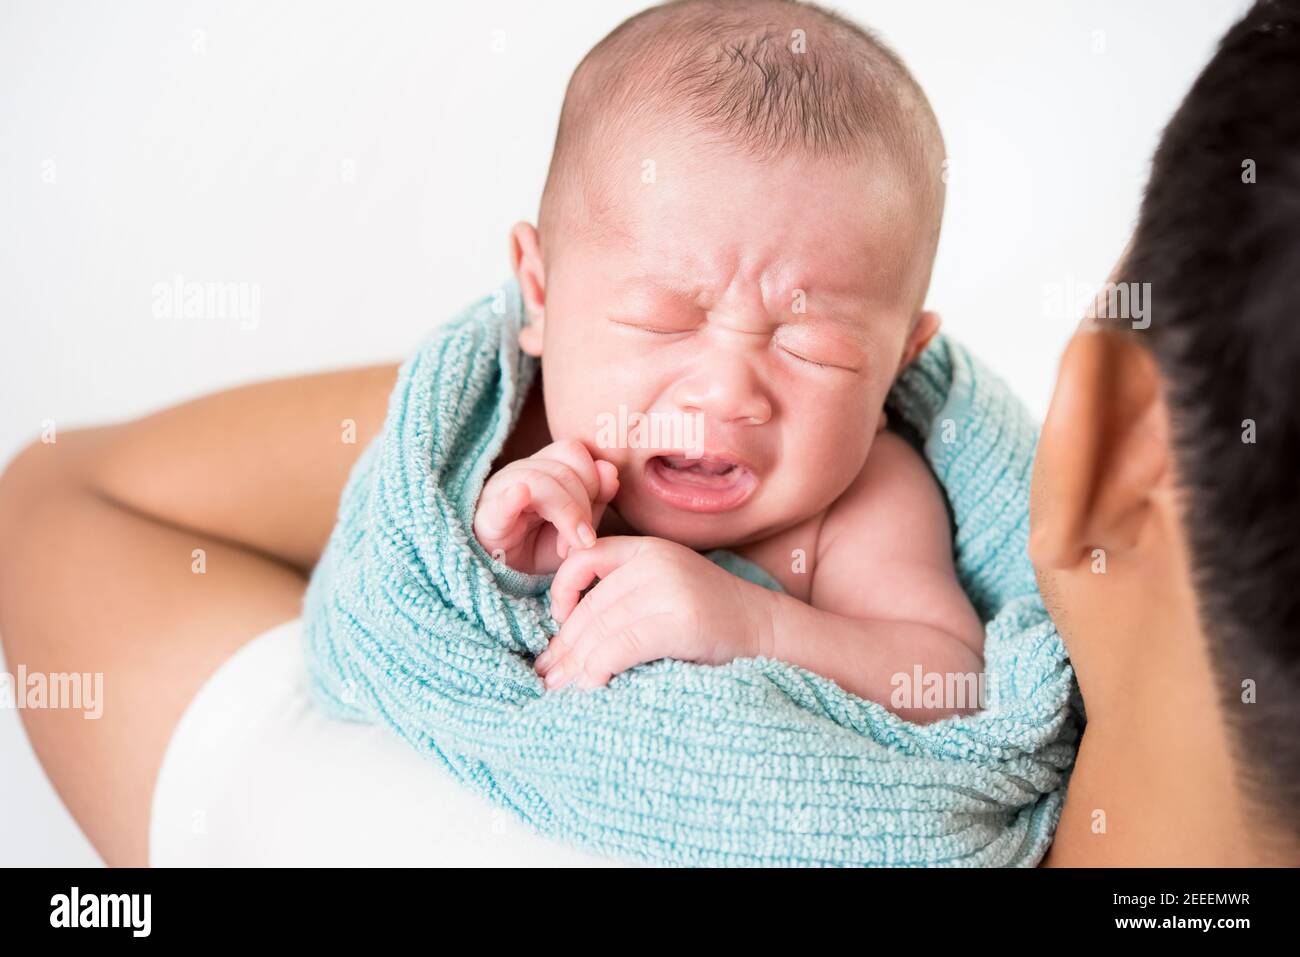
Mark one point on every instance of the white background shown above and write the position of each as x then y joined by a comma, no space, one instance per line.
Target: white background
362,163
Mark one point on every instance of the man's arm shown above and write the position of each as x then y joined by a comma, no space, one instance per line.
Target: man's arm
98,536
261,466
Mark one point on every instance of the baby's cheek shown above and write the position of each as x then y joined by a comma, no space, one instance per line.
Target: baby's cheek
848,423
593,419
833,454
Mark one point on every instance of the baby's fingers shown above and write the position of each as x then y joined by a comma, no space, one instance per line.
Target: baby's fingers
608,475
497,517
575,466
608,472
579,571
570,514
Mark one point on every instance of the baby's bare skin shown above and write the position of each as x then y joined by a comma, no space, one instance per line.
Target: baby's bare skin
871,590
778,330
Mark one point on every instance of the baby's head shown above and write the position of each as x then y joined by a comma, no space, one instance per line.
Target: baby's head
737,231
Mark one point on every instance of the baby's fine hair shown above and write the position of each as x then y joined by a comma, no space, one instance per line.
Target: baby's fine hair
762,77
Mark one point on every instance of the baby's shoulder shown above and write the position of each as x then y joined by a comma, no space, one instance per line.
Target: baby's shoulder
894,505
893,466
895,488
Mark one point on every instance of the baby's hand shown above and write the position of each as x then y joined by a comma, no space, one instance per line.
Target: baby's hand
655,599
533,512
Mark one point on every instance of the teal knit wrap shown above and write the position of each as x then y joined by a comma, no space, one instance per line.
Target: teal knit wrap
757,762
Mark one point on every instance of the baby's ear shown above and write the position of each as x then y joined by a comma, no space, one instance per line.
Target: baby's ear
530,272
530,337
927,325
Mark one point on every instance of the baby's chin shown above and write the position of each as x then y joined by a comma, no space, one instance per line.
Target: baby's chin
695,538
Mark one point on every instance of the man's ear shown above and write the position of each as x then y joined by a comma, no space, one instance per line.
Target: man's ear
530,271
1103,451
927,325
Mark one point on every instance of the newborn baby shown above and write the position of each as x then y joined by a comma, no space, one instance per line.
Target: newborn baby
736,236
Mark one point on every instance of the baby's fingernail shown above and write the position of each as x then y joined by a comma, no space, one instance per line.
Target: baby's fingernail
542,659
586,535
554,675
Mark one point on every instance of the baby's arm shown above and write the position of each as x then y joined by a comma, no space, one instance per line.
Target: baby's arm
884,596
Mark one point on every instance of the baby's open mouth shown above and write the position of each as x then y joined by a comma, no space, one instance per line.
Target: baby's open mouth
704,468
699,484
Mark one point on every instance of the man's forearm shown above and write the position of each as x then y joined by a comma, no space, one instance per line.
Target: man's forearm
260,466
902,665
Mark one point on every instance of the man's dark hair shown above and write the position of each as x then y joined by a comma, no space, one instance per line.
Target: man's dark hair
1219,240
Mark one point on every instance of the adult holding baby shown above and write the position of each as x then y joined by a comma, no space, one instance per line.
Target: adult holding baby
1171,453
268,534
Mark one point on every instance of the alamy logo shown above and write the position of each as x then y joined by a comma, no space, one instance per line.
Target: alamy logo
232,301
1129,301
79,691
654,430
1125,300
946,690
102,910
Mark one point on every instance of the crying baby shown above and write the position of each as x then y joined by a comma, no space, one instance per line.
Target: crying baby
735,238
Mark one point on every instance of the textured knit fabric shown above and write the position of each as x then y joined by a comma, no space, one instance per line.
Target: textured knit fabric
756,762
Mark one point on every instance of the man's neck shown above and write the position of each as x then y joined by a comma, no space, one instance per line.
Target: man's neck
1154,783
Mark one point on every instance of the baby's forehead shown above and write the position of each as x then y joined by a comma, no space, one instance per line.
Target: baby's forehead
694,178
800,224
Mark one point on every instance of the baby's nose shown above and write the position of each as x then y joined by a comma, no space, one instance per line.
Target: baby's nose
731,395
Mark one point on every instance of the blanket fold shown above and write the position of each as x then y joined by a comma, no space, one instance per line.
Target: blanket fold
410,623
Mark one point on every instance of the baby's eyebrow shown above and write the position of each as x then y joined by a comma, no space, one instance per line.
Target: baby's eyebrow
843,309
675,288
795,304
